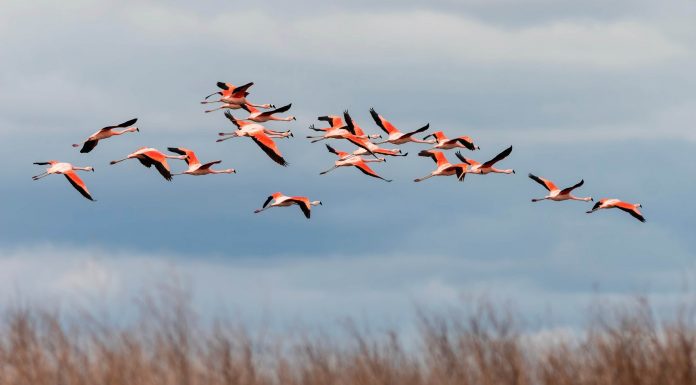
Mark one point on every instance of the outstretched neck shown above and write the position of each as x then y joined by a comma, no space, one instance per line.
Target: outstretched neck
129,129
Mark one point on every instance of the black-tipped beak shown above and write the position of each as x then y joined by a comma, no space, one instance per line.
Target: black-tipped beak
137,129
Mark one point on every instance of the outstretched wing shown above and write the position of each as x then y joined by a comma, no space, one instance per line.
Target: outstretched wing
466,141
468,161
229,116
383,123
331,149
277,110
304,206
424,128
498,157
160,162
571,188
209,164
268,200
269,147
350,126
190,155
79,185
362,166
544,182
89,145
629,208
437,156
241,90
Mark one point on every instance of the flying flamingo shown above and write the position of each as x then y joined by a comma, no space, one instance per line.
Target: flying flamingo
261,117
260,135
106,133
338,130
556,194
149,156
396,136
233,97
444,167
487,167
68,170
630,208
280,200
442,142
244,128
346,159
366,147
195,166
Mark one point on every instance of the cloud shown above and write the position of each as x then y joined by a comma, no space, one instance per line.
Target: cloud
312,289
414,38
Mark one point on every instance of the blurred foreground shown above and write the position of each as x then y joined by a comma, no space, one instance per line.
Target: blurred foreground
168,345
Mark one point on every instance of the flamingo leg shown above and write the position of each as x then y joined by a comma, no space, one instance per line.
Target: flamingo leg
37,177
331,169
423,178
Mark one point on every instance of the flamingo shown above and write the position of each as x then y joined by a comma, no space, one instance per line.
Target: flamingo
244,128
338,130
149,156
487,167
556,194
233,97
444,167
280,200
442,142
105,133
346,159
396,136
630,208
366,147
68,170
261,117
195,166
260,135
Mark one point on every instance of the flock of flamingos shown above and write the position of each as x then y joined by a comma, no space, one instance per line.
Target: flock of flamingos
340,128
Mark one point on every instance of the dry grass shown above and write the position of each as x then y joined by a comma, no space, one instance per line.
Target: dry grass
169,346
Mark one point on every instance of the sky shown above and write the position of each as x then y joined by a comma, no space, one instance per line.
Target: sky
593,90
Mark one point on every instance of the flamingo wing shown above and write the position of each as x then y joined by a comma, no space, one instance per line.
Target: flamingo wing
190,155
424,128
498,157
231,118
241,90
545,182
466,141
468,161
89,145
365,169
277,110
157,159
209,164
350,125
567,190
629,208
437,156
304,205
383,123
269,147
79,185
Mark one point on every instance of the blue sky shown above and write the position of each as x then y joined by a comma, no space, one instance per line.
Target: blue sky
597,91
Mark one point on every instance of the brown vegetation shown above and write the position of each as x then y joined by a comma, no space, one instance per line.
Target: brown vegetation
169,346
